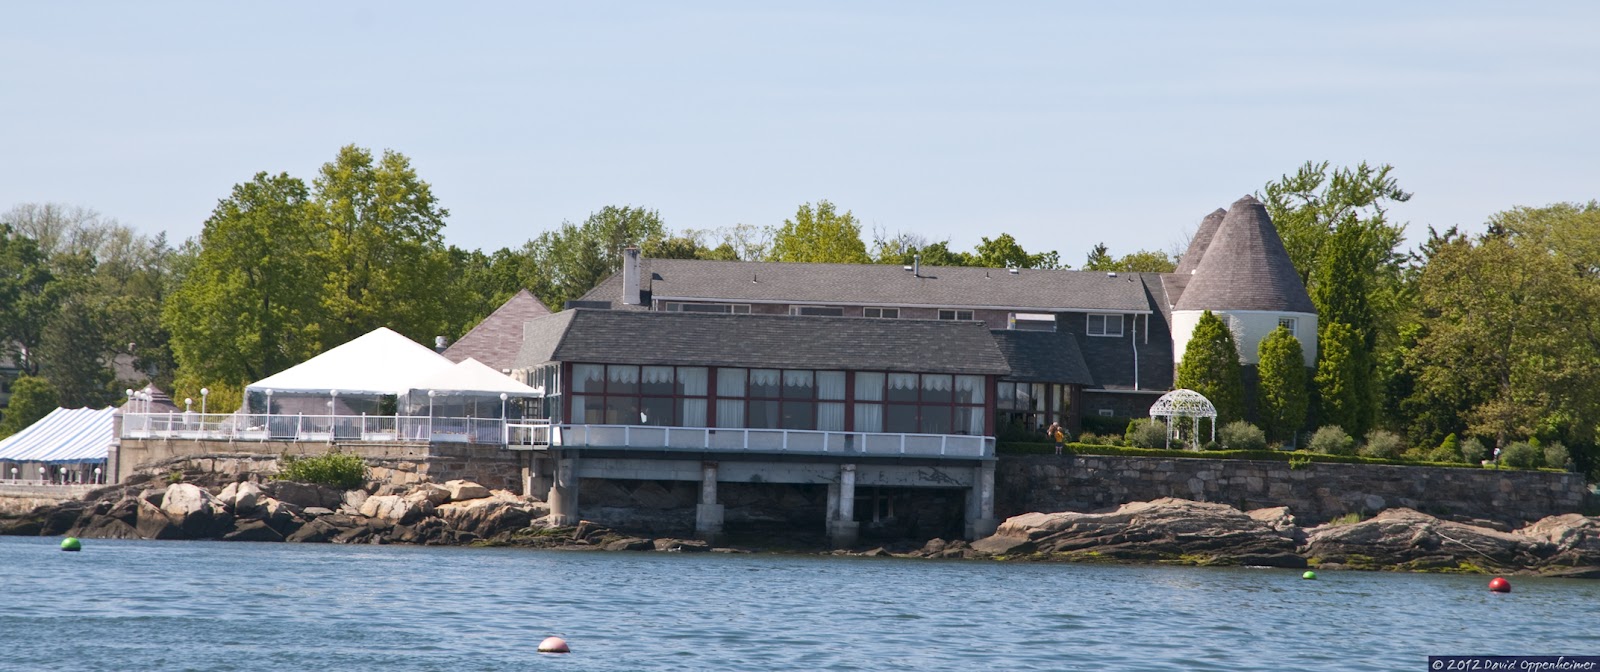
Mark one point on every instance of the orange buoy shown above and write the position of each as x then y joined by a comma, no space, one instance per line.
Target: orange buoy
1499,585
554,645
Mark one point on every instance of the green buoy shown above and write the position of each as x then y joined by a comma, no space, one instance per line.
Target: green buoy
1309,575
71,544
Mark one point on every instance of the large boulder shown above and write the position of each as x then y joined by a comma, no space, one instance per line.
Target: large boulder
497,512
1575,539
253,530
99,526
1405,539
153,523
241,497
1163,530
403,510
461,491
195,511
430,493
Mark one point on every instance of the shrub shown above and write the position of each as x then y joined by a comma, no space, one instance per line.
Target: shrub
1556,455
1383,443
1472,450
1451,443
1144,433
1443,454
1332,440
1090,438
334,469
1522,455
1241,435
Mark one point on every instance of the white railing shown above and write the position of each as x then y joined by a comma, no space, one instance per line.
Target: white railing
300,427
809,442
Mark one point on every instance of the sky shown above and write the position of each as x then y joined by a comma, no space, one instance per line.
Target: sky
1063,124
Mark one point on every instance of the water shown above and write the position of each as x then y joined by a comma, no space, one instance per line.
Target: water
310,607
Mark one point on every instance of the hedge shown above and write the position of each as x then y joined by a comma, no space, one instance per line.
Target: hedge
1021,448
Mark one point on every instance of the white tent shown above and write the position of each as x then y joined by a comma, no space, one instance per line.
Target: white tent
65,435
378,363
472,377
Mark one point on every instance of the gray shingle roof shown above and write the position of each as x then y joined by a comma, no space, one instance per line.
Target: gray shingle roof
1202,240
1246,268
878,284
1043,356
497,339
768,341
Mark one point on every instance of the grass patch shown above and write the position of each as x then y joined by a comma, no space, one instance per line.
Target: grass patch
1346,519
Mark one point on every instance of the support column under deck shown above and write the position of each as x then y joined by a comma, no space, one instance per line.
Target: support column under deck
708,514
980,503
843,530
563,499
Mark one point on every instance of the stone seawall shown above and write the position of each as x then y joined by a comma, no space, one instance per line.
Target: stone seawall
1315,492
392,463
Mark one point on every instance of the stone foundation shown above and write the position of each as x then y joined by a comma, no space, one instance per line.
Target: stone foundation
391,463
1315,492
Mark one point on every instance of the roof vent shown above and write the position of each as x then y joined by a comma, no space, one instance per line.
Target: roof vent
1111,274
1013,271
440,343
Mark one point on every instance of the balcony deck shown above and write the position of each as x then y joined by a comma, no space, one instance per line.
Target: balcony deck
536,436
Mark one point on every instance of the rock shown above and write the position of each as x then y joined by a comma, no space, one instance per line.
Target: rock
153,523
1163,530
253,530
491,514
355,498
430,493
246,498
1278,517
306,495
316,511
629,544
1410,540
1574,537
103,527
428,531
62,518
879,552
464,490
182,499
586,529
933,548
403,510
319,531
281,516
681,545
195,511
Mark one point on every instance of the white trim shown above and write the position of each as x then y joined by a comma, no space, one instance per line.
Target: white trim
1030,309
1094,390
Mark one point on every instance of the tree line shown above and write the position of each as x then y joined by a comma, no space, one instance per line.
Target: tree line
1491,336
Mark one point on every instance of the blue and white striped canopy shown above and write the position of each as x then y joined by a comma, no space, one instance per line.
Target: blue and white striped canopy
66,435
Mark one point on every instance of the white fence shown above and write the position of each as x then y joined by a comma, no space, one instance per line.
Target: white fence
537,436
327,428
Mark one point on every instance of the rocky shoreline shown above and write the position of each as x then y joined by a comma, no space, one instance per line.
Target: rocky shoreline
1163,531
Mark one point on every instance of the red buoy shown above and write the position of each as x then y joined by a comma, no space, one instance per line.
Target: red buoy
554,645
1499,585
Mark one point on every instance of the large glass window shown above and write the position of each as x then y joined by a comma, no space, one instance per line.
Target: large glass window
624,394
1105,325
929,403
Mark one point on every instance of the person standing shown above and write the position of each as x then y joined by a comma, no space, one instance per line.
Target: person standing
1058,435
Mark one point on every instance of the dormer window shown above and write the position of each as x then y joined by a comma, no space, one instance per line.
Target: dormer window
1105,325
963,315
1288,323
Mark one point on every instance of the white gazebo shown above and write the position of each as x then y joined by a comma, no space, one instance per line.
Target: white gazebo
1185,404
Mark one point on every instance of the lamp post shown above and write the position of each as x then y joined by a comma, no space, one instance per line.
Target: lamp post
13,473
204,392
503,398
97,475
42,477
62,472
269,401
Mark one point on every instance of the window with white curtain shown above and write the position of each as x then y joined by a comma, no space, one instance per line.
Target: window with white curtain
929,403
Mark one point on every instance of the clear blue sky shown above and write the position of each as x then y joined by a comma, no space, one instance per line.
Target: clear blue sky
1061,124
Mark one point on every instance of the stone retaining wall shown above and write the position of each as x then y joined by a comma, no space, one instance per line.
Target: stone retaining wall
1315,492
395,463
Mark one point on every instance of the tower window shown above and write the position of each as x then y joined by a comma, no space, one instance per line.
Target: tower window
1288,323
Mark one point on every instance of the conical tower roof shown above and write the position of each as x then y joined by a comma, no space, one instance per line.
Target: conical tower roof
1202,240
1246,268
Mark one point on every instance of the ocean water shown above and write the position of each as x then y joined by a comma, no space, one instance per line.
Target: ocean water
169,605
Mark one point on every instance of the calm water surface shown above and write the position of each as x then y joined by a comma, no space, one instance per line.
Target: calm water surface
170,605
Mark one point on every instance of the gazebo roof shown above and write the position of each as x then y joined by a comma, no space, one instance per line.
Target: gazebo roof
1183,404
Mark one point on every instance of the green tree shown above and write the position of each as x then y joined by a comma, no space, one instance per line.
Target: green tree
73,354
251,303
1099,259
1143,261
561,265
1211,367
32,398
1284,394
820,234
1004,252
26,299
1309,205
385,255
1340,368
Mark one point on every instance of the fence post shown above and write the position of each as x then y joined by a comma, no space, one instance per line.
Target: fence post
299,424
902,444
944,441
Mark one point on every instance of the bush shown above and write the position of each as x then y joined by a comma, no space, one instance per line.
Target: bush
1451,443
1472,450
335,469
1332,440
1443,454
1241,435
1522,455
1556,455
1385,444
1144,433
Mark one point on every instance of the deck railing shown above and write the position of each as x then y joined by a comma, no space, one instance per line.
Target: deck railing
300,427
811,442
